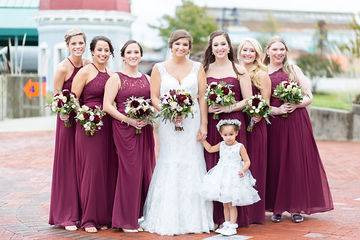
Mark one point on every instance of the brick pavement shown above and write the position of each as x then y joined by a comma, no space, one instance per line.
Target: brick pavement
25,176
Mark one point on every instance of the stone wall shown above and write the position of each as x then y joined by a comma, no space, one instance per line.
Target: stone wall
337,125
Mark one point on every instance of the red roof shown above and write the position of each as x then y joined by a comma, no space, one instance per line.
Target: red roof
109,5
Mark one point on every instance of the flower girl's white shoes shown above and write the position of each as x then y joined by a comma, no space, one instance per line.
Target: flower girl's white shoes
229,230
224,225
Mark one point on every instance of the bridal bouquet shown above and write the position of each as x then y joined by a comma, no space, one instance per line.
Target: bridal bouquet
219,94
140,109
90,118
177,103
256,106
289,92
64,103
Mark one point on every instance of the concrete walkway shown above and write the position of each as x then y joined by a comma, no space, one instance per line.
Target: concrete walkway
25,176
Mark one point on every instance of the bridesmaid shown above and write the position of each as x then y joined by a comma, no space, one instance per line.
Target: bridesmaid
219,65
250,56
94,154
296,181
64,208
136,156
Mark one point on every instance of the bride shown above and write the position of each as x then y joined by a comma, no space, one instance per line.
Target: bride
173,205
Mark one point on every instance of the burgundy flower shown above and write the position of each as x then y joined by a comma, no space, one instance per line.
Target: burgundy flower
134,104
141,112
255,102
56,94
213,86
172,92
60,103
86,115
225,90
97,119
180,98
213,97
66,92
190,101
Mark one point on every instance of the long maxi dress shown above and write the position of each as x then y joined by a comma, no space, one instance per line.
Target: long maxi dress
94,161
296,181
173,204
64,202
136,157
214,138
257,150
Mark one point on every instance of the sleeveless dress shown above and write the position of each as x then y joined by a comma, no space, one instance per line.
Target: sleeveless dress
64,202
257,150
136,157
223,183
214,137
296,181
173,204
94,161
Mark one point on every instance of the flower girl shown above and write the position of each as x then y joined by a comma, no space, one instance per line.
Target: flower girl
230,181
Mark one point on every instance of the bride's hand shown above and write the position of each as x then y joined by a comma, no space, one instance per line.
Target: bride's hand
202,133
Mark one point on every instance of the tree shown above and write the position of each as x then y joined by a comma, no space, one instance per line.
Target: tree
353,47
315,66
194,19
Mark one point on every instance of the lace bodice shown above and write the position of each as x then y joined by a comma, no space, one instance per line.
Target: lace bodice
188,83
230,155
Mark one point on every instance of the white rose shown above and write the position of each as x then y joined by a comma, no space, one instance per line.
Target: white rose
81,117
91,118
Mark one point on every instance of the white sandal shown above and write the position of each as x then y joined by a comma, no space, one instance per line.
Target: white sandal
71,228
91,230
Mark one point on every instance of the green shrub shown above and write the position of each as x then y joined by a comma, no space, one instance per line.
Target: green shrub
357,99
314,65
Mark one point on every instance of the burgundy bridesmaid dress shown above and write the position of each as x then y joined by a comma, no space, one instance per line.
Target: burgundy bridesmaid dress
214,138
296,181
257,150
95,161
64,202
136,157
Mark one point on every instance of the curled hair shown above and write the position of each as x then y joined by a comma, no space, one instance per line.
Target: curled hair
122,51
72,33
101,38
178,34
286,66
209,56
258,66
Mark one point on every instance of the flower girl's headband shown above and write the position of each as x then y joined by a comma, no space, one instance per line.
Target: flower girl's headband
228,122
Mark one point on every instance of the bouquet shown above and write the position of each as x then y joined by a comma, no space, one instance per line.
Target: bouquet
256,106
219,94
178,103
289,92
64,104
90,118
140,109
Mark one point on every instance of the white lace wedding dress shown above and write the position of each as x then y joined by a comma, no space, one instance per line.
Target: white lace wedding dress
174,205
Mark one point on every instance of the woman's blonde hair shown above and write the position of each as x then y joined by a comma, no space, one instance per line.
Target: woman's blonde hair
72,33
178,34
289,69
258,65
